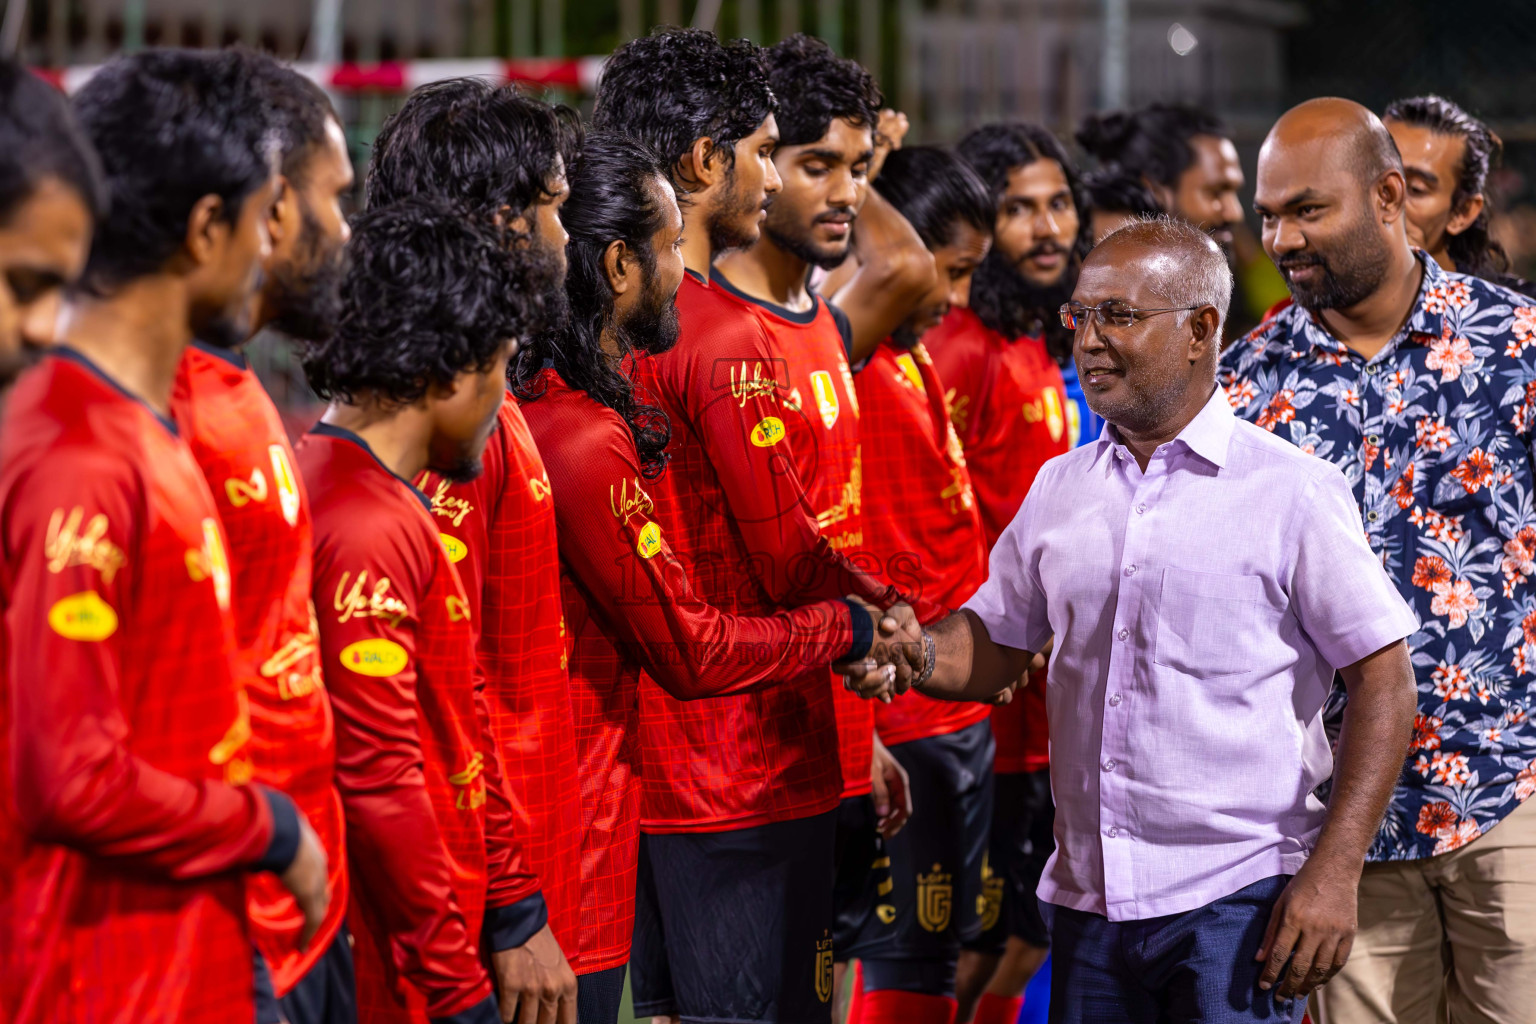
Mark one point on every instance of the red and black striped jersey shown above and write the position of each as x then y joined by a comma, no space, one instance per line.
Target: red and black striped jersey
434,864
628,605
821,416
921,524
237,437
499,531
1009,404
124,745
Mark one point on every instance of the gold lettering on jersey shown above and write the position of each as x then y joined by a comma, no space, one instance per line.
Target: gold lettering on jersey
540,487
958,494
935,893
66,544
886,913
565,657
82,616
450,507
218,562
624,504
356,601
989,905
745,387
910,375
824,968
458,610
471,784
287,484
959,409
849,501
236,736
825,390
281,667
241,492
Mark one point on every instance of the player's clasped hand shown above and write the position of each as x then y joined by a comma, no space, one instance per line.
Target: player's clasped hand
305,877
894,660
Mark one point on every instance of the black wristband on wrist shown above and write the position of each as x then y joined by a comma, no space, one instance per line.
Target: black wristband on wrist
863,626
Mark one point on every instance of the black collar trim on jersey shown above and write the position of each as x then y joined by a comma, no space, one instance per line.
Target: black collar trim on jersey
342,433
229,355
65,352
779,311
696,276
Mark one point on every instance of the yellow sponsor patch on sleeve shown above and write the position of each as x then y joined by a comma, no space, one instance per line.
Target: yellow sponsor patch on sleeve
650,540
374,657
83,616
456,548
769,432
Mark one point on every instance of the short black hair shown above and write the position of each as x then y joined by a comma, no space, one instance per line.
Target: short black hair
490,147
40,139
613,198
299,110
1473,251
430,292
815,86
170,126
936,192
678,85
1113,191
1151,143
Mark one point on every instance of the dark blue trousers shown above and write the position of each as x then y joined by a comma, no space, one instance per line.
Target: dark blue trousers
1195,966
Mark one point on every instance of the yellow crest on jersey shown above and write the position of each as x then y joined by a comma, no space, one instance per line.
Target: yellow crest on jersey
910,373
768,432
375,657
825,390
650,540
935,895
455,548
218,562
83,616
824,969
1074,424
1055,418
287,485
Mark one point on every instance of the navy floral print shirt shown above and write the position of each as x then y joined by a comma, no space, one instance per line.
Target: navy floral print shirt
1435,435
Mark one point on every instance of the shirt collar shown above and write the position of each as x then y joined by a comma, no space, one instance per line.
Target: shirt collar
1428,316
1208,435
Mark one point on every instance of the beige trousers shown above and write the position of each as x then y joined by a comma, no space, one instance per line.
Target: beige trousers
1447,939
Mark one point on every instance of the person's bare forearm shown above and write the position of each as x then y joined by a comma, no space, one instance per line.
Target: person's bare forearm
894,272
970,666
1373,743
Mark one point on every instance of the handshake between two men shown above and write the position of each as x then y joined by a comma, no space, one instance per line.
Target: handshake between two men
953,659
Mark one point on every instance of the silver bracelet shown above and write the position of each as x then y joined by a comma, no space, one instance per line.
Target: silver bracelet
930,660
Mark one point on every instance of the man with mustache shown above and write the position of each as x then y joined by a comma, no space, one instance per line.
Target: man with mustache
748,784
1010,409
237,436
1418,383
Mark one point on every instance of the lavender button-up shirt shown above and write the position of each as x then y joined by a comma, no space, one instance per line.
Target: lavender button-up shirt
1200,609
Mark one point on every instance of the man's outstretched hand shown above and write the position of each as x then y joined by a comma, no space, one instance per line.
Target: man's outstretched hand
894,660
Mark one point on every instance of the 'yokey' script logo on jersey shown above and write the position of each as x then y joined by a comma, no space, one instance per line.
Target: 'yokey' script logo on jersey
66,544
755,385
242,492
935,893
375,657
824,968
450,507
624,504
351,603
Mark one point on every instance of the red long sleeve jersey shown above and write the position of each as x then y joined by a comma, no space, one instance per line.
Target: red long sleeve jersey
921,524
415,761
628,605
1008,402
237,437
499,529
822,421
733,504
122,839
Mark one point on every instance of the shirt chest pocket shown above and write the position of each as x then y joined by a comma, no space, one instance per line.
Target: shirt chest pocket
1207,622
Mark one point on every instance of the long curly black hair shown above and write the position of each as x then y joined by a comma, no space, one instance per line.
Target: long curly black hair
814,86
615,195
431,292
679,85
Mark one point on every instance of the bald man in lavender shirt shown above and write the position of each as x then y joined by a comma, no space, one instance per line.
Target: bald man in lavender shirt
1203,581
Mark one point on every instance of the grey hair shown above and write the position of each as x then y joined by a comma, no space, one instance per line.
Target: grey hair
1191,268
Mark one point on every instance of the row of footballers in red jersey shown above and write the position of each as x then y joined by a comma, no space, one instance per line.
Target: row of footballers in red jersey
516,671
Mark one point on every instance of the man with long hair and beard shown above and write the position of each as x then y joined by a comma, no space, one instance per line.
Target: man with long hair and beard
238,438
739,783
628,601
504,155
1417,382
998,360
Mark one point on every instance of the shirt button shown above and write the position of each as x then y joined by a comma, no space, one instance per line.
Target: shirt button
1114,700
1130,570
1373,439
1109,765
1373,368
1112,832
1123,633
1141,509
1372,516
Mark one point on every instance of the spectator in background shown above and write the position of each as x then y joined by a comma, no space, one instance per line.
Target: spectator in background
51,195
1447,154
1114,200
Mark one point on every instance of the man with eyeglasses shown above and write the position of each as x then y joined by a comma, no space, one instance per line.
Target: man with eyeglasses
1203,581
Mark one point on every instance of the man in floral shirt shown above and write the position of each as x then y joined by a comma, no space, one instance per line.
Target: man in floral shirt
1420,385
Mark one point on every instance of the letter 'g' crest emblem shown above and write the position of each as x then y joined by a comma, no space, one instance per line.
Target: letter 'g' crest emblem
824,968
826,397
935,893
989,905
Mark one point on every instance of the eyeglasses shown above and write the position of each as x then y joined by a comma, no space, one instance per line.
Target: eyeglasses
1074,315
